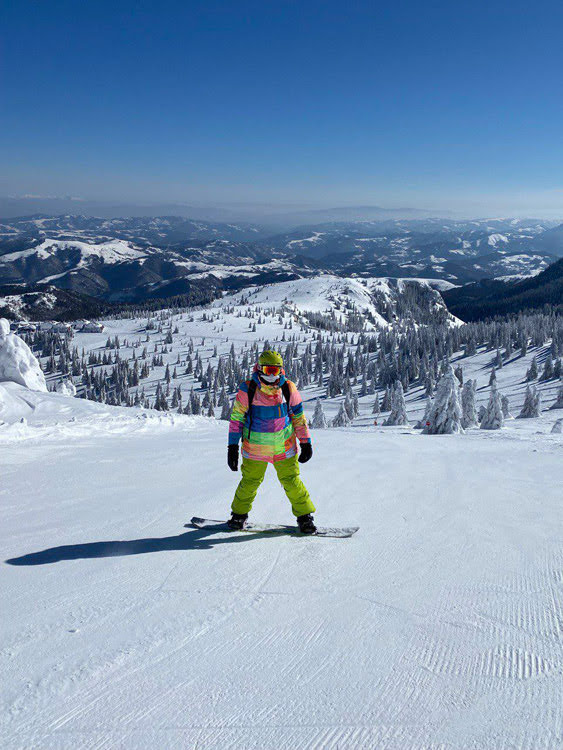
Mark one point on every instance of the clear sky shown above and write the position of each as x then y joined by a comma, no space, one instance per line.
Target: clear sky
455,104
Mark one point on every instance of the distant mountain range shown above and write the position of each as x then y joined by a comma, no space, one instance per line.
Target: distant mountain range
133,260
276,217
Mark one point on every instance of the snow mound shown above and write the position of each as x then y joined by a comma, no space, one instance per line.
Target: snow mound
66,388
26,414
17,362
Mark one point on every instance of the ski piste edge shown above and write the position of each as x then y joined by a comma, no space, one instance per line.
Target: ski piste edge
272,528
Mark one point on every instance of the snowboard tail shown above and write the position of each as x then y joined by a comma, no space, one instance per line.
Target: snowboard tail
336,533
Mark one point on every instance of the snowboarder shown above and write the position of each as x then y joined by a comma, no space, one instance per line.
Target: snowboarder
268,415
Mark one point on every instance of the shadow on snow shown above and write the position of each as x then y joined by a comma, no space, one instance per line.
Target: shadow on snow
189,540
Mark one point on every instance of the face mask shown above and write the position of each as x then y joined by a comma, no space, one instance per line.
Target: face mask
269,378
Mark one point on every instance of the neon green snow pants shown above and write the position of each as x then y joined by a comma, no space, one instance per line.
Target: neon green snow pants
288,473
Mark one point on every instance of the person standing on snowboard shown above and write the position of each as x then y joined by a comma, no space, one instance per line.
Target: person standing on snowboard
268,415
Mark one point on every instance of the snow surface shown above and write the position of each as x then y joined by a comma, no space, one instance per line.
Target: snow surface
438,625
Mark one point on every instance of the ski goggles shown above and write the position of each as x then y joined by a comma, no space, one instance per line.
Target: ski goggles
270,369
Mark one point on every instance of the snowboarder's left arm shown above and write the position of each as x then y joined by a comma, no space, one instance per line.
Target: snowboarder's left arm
298,415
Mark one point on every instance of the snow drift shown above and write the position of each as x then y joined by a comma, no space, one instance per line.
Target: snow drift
17,362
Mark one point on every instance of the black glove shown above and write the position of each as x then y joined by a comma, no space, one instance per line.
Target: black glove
232,457
306,453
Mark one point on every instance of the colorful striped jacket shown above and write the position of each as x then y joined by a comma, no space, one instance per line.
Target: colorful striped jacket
273,431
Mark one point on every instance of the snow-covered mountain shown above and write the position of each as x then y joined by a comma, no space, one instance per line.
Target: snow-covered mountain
139,259
119,270
381,301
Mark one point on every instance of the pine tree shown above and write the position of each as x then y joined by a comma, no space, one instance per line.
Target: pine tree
318,421
547,373
398,415
505,407
493,418
532,373
559,400
424,420
376,406
386,401
341,419
469,412
532,403
445,414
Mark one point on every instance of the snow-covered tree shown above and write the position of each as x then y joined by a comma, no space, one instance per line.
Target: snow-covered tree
493,418
468,409
376,407
341,419
557,428
318,422
445,412
547,373
66,387
421,424
505,407
398,415
532,403
559,400
532,373
386,401
349,406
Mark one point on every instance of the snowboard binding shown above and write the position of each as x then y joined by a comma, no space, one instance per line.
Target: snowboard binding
237,521
306,524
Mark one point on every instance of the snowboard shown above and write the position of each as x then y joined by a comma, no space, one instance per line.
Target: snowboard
336,533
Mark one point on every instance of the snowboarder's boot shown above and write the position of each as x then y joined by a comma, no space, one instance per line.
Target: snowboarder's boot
306,524
237,521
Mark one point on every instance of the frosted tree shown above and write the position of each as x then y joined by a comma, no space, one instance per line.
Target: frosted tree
349,407
547,373
557,428
532,373
559,400
532,403
468,409
505,407
356,405
493,377
398,415
421,424
493,418
386,401
445,412
376,407
341,419
318,422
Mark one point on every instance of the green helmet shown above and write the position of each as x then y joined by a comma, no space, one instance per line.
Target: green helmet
270,357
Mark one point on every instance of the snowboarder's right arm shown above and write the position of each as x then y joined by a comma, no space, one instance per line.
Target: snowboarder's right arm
238,414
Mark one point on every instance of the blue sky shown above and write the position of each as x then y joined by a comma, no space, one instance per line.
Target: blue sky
454,105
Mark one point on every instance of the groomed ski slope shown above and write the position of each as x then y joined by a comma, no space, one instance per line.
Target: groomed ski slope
438,625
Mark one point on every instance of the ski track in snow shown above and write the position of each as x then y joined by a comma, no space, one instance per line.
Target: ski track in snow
439,625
